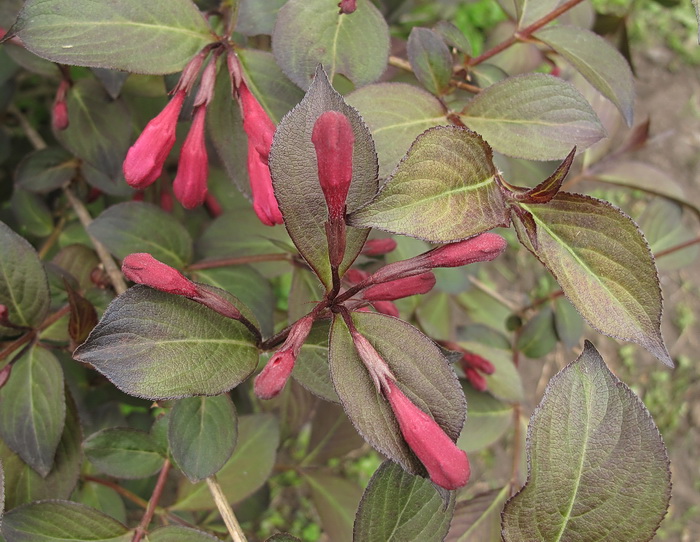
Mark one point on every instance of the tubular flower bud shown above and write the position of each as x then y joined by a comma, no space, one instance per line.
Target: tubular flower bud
482,248
386,307
446,464
396,289
377,368
59,115
333,140
190,184
377,247
145,159
355,276
347,6
143,268
274,376
5,374
473,365
260,130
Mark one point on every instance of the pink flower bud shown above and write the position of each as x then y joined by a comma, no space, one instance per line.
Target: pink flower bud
482,248
446,464
145,159
5,374
477,381
190,184
260,130
333,140
386,307
396,289
213,206
470,359
347,6
355,276
274,376
377,247
59,115
143,268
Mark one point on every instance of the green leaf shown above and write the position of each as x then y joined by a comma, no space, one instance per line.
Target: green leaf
123,453
400,507
538,337
479,518
240,233
247,469
664,227
34,218
419,366
2,491
157,37
78,261
442,191
24,288
311,368
156,345
430,59
603,263
529,11
489,418
33,409
295,176
454,37
23,484
61,521
598,61
536,117
641,176
336,500
134,226
435,316
249,286
255,17
99,131
602,456
202,434
567,322
312,32
178,533
332,435
45,170
103,498
396,113
277,94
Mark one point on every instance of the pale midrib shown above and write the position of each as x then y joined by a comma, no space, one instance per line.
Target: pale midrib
331,498
567,515
466,117
576,258
93,24
431,120
493,506
18,309
467,188
335,47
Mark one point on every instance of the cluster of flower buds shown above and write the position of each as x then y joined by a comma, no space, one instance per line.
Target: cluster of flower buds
472,364
59,111
274,376
447,465
143,268
333,141
145,159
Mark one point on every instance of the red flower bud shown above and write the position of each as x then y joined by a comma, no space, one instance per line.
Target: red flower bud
377,247
59,115
260,130
482,248
470,359
355,276
190,184
446,464
5,374
333,140
477,381
396,289
143,268
386,307
145,159
213,206
274,376
347,6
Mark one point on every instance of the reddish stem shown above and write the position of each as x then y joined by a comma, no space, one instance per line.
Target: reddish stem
152,503
239,260
525,33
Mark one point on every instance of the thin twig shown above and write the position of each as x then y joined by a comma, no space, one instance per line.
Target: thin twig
676,248
525,33
113,272
152,503
52,238
225,510
493,293
402,64
34,137
238,260
49,321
